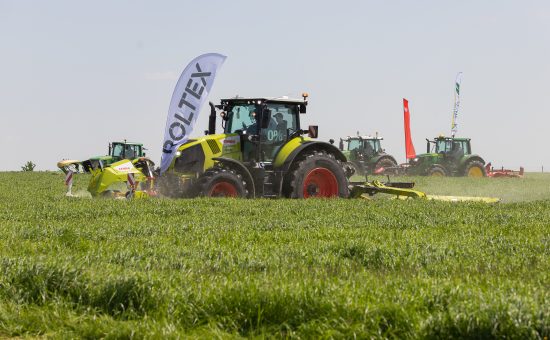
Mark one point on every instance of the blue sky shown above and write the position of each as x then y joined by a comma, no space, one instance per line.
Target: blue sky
75,75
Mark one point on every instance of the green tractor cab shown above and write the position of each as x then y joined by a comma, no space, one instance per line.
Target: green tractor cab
119,151
448,156
262,152
366,156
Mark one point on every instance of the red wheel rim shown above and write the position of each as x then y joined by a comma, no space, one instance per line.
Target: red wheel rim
320,182
223,189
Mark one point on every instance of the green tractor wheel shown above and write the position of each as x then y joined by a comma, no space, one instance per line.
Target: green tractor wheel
475,169
319,174
221,182
437,171
385,165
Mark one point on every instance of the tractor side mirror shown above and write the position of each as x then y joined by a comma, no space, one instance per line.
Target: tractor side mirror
341,145
302,108
331,141
313,131
266,118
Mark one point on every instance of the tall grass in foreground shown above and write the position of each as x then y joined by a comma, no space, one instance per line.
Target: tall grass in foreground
274,268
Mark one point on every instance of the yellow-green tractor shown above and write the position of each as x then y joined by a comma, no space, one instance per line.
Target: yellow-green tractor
262,152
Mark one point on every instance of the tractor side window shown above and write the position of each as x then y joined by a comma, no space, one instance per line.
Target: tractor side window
242,117
136,151
466,147
282,121
129,152
372,146
118,150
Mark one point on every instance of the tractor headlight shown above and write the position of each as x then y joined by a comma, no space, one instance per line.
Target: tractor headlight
178,153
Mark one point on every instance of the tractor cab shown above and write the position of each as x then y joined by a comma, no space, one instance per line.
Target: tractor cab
367,146
125,150
450,146
263,124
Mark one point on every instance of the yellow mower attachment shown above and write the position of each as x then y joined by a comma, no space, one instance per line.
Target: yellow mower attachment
376,187
70,165
403,190
112,180
463,199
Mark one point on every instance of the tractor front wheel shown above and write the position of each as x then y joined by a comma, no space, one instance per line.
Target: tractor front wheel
475,169
221,182
318,174
437,171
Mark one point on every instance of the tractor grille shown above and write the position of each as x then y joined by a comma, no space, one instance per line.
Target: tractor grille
213,145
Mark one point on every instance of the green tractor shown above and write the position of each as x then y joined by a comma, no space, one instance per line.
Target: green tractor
366,156
448,156
119,151
261,153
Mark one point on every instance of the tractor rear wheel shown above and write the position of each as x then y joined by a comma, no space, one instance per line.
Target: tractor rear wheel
318,174
437,171
221,182
382,166
475,169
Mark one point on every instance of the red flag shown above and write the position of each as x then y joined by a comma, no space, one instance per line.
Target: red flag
409,147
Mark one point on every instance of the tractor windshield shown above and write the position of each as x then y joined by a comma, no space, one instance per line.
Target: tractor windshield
442,146
353,144
118,150
128,151
242,118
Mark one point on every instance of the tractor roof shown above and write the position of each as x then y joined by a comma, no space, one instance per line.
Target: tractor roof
251,100
129,143
364,137
452,138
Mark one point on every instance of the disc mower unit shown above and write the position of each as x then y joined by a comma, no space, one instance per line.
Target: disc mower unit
447,156
503,173
114,181
404,190
366,155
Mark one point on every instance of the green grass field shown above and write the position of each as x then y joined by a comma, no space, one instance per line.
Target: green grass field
224,268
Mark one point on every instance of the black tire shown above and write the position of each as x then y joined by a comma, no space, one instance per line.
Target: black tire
437,171
221,182
475,169
385,162
318,174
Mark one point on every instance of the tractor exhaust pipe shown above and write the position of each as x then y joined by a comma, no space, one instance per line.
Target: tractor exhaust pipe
212,119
